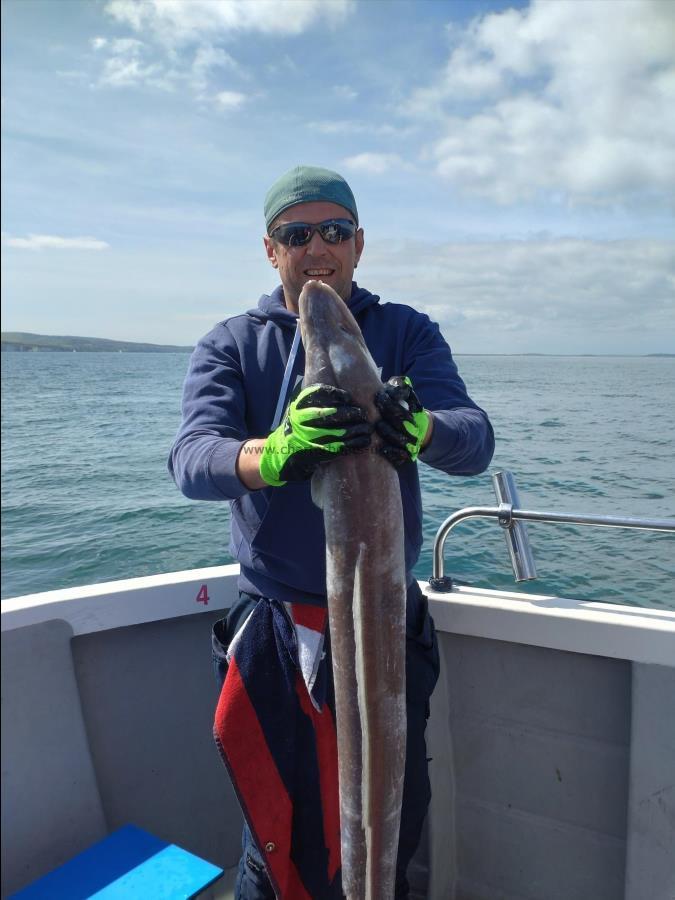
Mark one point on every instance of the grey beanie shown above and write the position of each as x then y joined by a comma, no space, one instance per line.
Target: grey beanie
305,184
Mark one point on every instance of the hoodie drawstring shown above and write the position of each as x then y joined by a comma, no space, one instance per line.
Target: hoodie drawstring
288,373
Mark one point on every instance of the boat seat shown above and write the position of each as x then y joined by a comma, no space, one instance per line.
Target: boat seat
129,863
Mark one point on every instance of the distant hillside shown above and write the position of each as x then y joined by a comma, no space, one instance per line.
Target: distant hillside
23,342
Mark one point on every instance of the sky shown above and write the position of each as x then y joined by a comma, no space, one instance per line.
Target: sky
513,162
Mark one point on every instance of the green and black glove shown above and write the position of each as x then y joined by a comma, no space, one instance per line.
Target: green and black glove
404,421
319,424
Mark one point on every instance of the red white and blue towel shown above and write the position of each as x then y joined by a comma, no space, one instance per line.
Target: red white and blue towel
275,730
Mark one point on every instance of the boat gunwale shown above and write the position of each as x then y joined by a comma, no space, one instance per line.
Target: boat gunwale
603,629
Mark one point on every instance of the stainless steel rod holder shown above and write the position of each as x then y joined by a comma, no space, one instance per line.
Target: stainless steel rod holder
515,532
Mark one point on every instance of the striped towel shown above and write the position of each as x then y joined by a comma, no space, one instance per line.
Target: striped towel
275,730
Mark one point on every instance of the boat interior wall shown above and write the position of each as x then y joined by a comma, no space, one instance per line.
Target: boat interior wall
650,870
540,762
123,722
51,805
156,760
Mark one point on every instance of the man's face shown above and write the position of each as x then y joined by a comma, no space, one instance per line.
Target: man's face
332,263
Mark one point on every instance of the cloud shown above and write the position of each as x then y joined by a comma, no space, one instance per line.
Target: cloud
53,242
127,65
176,41
546,295
228,100
373,163
131,62
184,21
207,58
355,126
560,97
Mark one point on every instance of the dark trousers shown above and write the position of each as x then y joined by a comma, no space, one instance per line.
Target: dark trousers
422,666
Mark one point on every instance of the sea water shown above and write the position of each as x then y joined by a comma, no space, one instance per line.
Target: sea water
86,496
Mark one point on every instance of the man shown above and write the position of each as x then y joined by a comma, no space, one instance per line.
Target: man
232,446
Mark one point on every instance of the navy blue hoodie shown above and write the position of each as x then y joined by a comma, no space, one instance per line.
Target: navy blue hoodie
230,395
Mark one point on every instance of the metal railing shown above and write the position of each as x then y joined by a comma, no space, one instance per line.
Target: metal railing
510,517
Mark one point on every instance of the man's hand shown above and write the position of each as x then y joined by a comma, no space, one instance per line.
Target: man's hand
405,426
319,425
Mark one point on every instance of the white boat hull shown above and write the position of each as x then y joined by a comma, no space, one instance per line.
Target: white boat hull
552,737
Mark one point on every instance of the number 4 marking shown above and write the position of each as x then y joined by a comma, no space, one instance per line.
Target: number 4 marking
203,595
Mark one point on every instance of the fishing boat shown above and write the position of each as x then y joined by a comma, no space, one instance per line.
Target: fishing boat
551,736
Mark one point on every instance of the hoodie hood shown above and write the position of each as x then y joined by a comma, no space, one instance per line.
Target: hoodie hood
272,308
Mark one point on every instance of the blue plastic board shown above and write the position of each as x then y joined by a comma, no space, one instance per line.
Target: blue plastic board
128,864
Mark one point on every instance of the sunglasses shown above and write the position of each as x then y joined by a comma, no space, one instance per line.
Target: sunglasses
297,234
